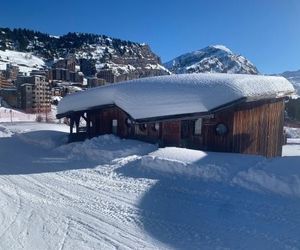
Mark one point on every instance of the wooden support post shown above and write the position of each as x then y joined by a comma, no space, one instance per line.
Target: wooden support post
85,118
77,120
71,125
88,126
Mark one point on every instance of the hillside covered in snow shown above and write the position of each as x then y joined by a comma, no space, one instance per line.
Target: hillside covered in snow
212,59
95,52
109,193
24,60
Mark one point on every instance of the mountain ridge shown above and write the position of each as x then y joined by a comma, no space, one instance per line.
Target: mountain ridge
211,59
101,51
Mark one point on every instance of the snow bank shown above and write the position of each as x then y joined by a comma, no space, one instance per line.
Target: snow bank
177,94
45,139
105,148
292,148
261,180
169,166
279,175
13,115
4,132
197,164
45,135
178,161
9,129
8,114
292,132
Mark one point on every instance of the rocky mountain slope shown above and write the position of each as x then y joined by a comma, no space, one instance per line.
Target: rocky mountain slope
99,51
214,59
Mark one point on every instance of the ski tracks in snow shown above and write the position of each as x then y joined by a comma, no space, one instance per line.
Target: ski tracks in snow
81,205
99,208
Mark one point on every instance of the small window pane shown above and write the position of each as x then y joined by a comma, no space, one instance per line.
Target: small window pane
221,129
115,123
155,126
198,126
128,122
143,127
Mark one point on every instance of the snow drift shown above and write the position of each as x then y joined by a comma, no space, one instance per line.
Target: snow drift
252,172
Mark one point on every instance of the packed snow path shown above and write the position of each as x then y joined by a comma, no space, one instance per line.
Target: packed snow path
108,193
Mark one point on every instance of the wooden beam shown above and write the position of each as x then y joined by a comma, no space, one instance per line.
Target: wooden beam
88,126
71,125
85,118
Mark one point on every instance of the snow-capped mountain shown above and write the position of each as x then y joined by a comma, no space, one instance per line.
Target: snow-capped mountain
294,78
98,51
215,59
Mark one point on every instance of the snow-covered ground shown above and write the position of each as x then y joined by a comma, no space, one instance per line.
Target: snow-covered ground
8,115
25,61
108,193
13,115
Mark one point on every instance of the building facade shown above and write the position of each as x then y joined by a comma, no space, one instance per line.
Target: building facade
249,128
34,94
25,97
93,82
211,112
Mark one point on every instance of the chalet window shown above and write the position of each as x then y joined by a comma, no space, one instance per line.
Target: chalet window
114,123
114,126
155,126
128,122
187,128
198,127
221,129
143,127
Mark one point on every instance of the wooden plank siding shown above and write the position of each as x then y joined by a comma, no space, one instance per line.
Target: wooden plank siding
214,142
171,133
148,134
258,129
253,128
102,122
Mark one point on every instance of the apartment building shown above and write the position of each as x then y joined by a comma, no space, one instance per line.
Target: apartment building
34,94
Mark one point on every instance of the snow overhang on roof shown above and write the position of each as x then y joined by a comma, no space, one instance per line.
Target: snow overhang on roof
177,94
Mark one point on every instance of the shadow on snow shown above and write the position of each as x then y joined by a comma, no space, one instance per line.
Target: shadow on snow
197,214
32,152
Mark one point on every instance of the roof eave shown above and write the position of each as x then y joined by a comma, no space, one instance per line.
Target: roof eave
179,116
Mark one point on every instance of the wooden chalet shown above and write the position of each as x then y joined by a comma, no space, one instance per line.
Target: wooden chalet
212,112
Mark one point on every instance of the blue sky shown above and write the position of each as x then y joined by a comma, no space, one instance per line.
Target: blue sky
265,31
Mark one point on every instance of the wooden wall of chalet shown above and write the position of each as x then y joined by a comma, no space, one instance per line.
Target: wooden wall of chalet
147,133
211,140
102,122
170,133
258,128
253,128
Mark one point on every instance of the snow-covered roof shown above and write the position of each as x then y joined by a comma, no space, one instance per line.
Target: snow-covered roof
177,94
